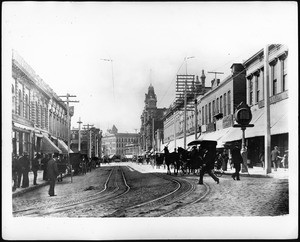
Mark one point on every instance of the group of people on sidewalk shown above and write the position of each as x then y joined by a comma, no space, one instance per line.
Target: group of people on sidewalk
21,166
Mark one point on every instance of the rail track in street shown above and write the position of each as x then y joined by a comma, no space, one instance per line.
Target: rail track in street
118,191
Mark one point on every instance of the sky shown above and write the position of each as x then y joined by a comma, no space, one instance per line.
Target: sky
65,42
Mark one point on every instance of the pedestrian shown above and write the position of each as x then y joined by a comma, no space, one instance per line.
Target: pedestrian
14,172
52,172
35,167
19,170
284,161
44,162
225,160
262,159
195,160
275,157
237,160
25,166
208,162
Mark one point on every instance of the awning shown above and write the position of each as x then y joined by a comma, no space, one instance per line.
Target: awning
48,147
21,126
217,136
278,123
64,148
39,135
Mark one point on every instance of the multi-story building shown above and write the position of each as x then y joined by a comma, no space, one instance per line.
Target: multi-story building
174,117
122,144
218,105
278,90
39,116
90,141
151,123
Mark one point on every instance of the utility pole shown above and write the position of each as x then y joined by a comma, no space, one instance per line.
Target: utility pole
267,111
68,124
79,138
89,126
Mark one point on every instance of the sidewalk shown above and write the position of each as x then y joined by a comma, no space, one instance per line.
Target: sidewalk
40,182
256,171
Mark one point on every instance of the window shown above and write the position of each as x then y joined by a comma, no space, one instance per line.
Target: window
206,114
37,114
20,104
221,107
217,108
257,89
13,98
224,104
284,77
274,79
228,103
213,108
209,112
203,115
251,91
26,106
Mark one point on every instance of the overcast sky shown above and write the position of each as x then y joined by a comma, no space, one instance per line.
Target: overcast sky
64,43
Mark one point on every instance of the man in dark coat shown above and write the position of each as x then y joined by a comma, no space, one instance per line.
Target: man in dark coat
52,174
237,160
208,162
274,157
34,167
25,166
14,172
44,165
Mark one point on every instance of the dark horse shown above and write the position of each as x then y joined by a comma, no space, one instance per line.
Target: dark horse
172,158
184,160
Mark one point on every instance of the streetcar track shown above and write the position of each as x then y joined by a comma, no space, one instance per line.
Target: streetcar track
160,201
85,201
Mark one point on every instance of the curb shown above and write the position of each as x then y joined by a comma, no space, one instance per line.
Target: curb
31,188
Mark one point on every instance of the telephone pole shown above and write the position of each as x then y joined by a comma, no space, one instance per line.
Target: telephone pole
79,138
89,126
68,124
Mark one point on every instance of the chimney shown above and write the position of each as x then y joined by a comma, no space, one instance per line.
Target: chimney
236,68
218,82
203,79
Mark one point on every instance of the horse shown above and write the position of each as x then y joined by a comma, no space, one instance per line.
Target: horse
171,158
184,160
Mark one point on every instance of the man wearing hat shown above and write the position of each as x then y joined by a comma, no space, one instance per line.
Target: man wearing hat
25,166
52,172
35,166
237,160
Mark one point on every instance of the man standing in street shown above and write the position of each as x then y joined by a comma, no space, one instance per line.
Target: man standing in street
25,165
274,157
34,167
52,172
237,160
208,162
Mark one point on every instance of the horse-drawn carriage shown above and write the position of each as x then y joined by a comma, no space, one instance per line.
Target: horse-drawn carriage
188,160
79,162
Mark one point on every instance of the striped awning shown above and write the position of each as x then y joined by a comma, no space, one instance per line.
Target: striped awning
63,146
